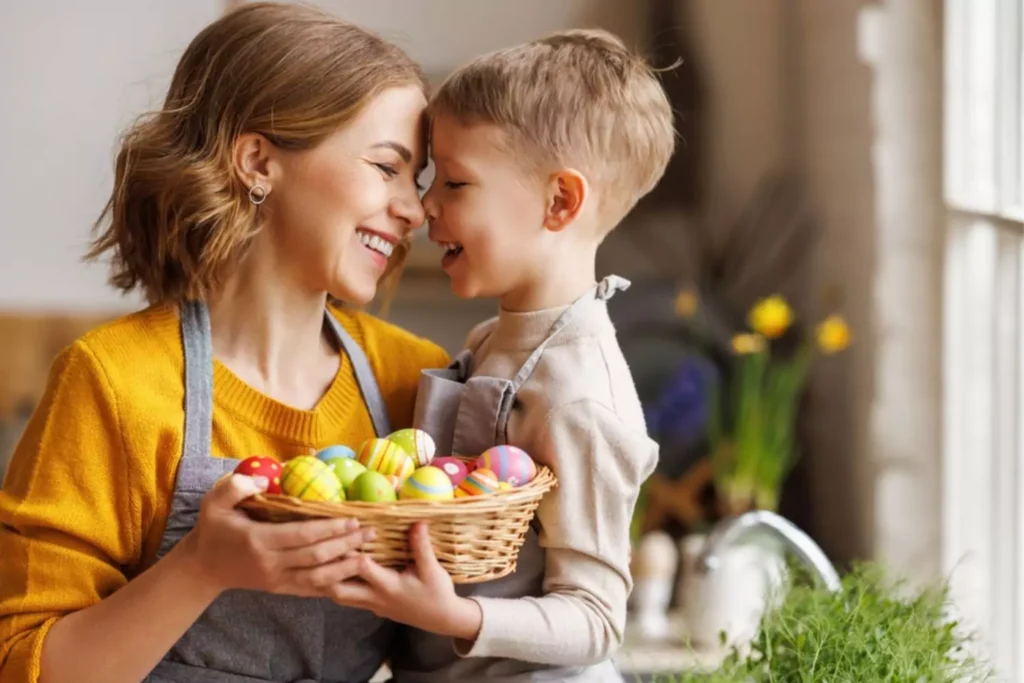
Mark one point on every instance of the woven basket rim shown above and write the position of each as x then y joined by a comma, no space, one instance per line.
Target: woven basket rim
412,508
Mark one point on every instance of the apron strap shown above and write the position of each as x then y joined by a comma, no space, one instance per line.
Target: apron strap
365,378
198,352
602,291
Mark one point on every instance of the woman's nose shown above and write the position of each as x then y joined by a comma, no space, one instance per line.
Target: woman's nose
409,209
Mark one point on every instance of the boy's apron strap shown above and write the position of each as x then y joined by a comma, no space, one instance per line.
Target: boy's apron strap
602,291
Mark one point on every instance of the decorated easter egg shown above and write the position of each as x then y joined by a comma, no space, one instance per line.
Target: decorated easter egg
307,478
427,483
346,469
453,467
262,466
371,487
338,451
479,482
504,486
509,463
416,443
386,457
396,482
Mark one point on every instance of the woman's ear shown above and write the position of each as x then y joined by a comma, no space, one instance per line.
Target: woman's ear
251,157
567,192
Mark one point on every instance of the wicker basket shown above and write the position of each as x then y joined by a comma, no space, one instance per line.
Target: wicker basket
475,539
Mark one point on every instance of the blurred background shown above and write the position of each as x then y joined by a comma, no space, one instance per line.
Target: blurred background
856,157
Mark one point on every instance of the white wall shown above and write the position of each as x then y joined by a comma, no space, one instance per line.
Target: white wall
72,75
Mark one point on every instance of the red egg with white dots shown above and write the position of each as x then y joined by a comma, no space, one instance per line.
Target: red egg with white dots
455,468
262,466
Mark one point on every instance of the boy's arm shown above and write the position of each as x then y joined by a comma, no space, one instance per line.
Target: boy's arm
600,463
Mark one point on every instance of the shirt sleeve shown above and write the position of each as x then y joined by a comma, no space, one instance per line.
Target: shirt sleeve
67,527
600,463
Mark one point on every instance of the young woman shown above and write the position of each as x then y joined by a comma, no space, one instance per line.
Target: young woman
281,169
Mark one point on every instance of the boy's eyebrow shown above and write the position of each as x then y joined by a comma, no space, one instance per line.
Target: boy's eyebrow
398,147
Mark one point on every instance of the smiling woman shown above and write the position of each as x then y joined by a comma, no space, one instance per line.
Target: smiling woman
281,169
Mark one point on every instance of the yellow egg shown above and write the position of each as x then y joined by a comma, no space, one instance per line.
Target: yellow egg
307,478
386,457
427,483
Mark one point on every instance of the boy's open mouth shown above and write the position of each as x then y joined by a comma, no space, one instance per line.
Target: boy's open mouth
451,251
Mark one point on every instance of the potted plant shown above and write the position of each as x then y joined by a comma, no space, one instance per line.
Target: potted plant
872,629
752,433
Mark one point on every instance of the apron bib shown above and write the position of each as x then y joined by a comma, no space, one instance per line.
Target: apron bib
466,415
249,636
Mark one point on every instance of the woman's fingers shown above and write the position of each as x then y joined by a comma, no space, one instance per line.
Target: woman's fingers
231,490
325,551
313,580
292,535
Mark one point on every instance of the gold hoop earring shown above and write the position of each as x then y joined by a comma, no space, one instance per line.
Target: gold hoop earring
257,194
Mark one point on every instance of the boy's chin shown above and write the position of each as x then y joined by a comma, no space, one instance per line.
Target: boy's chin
467,288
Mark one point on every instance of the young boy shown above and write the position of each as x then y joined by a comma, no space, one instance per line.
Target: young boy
539,150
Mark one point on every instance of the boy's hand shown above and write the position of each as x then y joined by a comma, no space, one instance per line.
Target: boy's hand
423,596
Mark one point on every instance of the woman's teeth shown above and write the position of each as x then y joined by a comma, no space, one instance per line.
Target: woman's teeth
378,244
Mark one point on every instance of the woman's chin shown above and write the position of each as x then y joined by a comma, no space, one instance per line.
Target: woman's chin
355,293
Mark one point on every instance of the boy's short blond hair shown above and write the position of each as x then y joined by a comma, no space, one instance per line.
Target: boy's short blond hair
577,99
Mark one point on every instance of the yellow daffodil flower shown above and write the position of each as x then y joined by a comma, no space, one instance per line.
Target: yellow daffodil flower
686,303
771,317
744,344
833,334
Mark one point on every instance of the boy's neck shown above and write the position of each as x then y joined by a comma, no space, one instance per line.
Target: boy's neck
555,286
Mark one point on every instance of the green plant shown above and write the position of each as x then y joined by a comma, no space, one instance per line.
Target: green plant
873,629
752,456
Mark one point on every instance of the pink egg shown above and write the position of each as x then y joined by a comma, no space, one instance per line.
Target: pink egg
511,464
453,467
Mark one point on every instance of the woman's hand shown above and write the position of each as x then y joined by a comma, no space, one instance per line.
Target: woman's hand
423,596
306,558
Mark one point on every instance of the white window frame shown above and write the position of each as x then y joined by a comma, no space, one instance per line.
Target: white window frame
983,453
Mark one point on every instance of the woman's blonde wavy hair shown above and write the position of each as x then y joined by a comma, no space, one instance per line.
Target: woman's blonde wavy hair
178,217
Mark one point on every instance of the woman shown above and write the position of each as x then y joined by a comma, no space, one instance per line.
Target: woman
281,169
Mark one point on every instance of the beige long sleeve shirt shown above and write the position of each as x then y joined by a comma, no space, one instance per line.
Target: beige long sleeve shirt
579,414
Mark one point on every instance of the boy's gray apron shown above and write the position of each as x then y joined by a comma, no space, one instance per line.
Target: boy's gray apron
466,415
249,636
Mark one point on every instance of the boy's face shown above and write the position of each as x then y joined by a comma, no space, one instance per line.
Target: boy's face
485,210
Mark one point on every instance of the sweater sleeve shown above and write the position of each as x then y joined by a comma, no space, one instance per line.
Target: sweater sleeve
600,463
68,525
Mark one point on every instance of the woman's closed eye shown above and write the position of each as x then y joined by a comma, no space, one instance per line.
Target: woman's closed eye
387,169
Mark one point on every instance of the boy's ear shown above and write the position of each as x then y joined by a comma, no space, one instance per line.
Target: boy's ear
567,192
252,160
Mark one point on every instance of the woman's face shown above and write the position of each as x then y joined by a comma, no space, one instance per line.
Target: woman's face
336,212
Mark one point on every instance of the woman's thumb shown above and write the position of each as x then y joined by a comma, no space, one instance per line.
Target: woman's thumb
234,488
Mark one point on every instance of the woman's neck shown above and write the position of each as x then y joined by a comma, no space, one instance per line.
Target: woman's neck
270,332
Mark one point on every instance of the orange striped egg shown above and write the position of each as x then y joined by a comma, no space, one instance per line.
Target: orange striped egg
386,457
307,478
479,482
509,463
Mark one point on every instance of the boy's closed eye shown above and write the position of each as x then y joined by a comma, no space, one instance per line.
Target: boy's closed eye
454,184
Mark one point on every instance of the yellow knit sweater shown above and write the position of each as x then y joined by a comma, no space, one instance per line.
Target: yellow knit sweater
87,495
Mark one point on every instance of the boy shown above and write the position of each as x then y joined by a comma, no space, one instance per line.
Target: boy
539,151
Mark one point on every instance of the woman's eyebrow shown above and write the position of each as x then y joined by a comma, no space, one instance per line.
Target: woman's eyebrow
398,147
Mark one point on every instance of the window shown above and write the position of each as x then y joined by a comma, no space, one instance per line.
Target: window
983,459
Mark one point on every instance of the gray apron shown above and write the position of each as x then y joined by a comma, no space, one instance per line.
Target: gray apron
248,636
466,415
